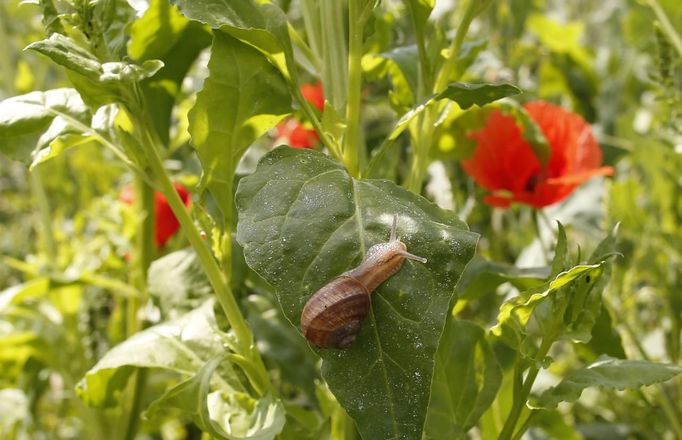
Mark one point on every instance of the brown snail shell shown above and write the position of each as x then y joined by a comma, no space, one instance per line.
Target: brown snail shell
333,316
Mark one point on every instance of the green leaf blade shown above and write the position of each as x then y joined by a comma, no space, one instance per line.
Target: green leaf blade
182,345
30,121
607,373
243,97
303,221
466,380
467,95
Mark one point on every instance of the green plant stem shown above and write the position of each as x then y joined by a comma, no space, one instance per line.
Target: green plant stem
449,68
142,258
310,12
139,381
244,337
309,54
424,79
353,143
307,108
525,425
538,233
422,131
521,397
334,53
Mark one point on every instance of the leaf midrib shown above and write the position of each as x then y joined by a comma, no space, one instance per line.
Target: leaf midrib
363,250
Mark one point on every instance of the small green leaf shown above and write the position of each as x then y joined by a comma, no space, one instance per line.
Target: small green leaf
243,97
516,313
604,340
607,373
302,221
225,416
467,95
30,121
66,52
465,382
59,145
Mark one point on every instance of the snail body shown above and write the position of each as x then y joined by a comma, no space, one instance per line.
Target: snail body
333,316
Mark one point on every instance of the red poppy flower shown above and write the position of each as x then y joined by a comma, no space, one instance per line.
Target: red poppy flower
294,134
504,163
292,131
314,94
166,222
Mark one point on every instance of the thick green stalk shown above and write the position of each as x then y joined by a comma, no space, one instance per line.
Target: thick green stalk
213,271
521,396
306,50
353,144
334,53
449,67
424,79
310,12
423,133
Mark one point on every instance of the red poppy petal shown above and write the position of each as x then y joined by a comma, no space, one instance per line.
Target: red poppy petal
502,159
497,201
574,148
314,94
301,137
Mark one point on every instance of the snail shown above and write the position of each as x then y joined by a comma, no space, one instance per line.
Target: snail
332,317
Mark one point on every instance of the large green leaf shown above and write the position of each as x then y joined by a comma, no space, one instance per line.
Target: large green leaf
302,221
225,416
183,345
242,98
465,382
28,122
263,26
607,373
